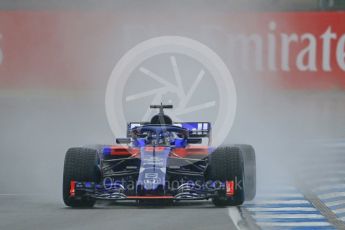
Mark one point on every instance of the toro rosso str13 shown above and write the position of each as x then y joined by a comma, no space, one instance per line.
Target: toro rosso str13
160,159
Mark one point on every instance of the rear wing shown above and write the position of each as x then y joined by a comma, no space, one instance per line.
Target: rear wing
196,129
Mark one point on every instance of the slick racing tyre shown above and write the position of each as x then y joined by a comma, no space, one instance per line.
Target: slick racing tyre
80,165
226,164
249,171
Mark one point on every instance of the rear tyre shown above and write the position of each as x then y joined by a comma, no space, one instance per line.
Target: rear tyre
249,171
80,165
226,164
97,147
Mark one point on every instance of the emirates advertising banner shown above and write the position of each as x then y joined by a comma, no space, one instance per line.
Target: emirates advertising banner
303,50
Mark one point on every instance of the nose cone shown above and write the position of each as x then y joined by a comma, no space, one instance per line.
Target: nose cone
152,170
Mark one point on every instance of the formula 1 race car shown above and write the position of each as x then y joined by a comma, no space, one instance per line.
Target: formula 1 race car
160,160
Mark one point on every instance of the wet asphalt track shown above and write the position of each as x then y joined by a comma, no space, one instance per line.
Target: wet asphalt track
35,136
43,212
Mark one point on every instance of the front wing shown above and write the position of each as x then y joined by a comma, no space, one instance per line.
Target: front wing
187,191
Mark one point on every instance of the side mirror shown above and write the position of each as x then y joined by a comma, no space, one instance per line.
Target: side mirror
123,140
194,140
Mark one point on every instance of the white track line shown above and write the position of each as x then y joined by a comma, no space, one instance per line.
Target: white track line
302,209
288,216
294,224
279,217
235,216
278,202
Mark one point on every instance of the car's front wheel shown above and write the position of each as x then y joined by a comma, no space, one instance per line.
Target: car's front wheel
249,171
226,164
80,165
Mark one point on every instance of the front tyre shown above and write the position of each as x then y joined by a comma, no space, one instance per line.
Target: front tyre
80,165
249,171
226,164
